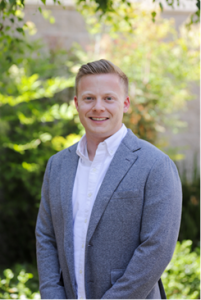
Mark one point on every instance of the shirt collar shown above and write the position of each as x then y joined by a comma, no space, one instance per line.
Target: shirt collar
110,144
82,148
113,142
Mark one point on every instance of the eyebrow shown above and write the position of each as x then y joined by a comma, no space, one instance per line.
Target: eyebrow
105,94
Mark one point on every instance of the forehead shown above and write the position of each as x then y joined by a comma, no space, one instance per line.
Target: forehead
100,83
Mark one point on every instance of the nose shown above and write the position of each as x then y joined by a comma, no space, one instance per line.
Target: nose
98,105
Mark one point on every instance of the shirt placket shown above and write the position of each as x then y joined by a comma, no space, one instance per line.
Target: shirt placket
93,173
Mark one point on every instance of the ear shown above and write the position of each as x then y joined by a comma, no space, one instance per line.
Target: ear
76,102
126,104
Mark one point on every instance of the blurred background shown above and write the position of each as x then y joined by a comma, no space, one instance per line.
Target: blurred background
42,45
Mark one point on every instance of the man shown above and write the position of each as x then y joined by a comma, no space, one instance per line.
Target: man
111,204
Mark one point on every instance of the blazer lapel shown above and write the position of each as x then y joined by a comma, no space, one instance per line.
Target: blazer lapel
123,159
68,172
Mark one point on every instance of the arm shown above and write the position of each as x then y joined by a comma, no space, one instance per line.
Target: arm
47,256
159,232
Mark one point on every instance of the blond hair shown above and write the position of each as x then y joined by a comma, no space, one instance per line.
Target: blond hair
101,66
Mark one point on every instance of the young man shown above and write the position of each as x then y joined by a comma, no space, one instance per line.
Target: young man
111,205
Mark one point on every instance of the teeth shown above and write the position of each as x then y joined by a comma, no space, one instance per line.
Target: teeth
99,119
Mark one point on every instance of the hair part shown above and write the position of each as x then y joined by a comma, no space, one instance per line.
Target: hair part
101,66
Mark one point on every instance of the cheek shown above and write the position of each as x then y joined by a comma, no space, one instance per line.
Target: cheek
117,109
83,110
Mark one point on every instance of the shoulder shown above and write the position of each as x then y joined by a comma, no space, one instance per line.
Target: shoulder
136,144
57,159
151,151
146,152
151,161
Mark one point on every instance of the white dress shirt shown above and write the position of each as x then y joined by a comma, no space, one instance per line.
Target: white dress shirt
88,179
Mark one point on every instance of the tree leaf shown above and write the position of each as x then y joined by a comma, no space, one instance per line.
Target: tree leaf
19,29
198,4
161,6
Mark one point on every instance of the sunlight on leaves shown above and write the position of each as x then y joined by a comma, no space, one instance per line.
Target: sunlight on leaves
30,167
60,143
47,14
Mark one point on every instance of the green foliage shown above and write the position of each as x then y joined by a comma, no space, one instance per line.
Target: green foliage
14,29
37,118
190,222
15,285
111,7
12,17
181,278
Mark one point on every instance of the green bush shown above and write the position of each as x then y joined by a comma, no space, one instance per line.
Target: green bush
190,221
37,119
181,278
15,285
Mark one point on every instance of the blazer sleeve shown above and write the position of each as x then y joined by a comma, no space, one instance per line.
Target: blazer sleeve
158,236
51,286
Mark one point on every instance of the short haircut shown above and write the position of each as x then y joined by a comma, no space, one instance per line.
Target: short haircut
101,66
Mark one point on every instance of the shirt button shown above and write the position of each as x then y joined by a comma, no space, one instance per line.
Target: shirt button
85,220
82,245
111,152
90,194
80,271
94,170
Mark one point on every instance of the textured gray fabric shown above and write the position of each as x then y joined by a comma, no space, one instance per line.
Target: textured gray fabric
133,227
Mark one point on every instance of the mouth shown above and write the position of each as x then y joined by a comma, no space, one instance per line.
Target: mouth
98,119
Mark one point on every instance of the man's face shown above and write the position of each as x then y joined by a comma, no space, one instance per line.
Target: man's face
101,102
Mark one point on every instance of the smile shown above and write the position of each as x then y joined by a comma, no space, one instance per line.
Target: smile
98,119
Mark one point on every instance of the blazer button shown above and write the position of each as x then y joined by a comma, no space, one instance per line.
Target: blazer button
90,245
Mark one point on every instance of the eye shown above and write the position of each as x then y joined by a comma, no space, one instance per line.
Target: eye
109,98
88,98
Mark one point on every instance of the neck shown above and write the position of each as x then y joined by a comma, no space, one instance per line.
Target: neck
93,142
92,145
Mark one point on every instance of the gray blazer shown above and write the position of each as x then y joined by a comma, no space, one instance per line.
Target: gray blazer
133,227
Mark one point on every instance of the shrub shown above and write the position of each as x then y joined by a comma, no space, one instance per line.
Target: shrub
181,278
37,119
14,284
190,221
